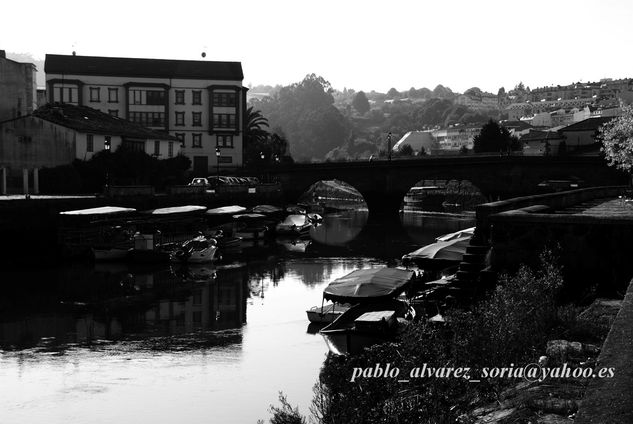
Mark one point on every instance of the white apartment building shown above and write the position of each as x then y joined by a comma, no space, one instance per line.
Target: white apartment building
202,103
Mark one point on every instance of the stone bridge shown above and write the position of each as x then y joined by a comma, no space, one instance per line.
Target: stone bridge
384,183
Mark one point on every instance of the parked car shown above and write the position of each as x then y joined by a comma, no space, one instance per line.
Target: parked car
200,182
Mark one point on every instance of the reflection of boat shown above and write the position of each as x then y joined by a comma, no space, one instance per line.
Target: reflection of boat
439,254
196,250
377,315
326,313
112,253
294,225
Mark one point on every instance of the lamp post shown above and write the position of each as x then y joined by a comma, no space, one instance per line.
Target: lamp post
217,159
262,157
107,145
389,145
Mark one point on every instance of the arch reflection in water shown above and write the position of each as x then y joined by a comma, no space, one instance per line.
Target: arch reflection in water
340,228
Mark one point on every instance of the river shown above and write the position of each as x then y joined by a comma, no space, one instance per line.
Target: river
114,343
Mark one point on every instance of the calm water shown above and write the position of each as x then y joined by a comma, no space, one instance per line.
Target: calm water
114,343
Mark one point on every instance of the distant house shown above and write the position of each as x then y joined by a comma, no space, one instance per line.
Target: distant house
541,143
583,133
417,140
456,138
18,89
57,134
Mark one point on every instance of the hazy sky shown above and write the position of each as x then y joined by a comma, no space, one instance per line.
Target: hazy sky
363,45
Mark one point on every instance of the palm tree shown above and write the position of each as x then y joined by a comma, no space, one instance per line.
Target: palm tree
255,123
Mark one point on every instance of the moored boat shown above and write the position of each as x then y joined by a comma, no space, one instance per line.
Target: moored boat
197,250
294,225
376,316
326,313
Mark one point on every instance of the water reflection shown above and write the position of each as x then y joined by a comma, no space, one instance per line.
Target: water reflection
340,228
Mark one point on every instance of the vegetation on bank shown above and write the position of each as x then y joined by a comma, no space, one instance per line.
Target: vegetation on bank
121,167
511,326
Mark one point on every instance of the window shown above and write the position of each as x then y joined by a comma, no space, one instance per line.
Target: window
180,97
225,141
180,119
90,143
224,99
157,147
113,112
181,138
197,140
197,97
113,95
197,119
148,119
170,149
95,94
136,97
224,120
155,97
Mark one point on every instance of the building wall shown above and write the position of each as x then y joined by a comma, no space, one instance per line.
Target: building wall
230,157
18,90
579,138
31,142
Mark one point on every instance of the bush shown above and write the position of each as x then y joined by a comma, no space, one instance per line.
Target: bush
511,326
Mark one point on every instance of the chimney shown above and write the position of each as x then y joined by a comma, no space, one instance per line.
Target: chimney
3,54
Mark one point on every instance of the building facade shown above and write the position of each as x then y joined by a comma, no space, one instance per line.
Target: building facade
18,88
201,103
57,134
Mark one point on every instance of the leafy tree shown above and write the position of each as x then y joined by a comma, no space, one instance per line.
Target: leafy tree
306,112
442,92
393,93
255,123
360,103
405,150
495,138
501,92
617,140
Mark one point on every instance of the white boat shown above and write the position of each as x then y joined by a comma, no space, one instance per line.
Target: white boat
440,254
294,225
326,313
195,251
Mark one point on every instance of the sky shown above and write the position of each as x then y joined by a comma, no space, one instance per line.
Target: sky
364,45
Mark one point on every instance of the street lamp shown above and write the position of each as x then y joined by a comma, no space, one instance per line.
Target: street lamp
389,145
217,159
107,145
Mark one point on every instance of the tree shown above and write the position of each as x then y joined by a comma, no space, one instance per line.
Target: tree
306,112
617,140
360,103
405,150
495,138
393,93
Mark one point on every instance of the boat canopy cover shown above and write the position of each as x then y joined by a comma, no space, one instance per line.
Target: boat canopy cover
249,216
466,232
104,210
177,209
298,220
368,285
266,209
227,210
451,250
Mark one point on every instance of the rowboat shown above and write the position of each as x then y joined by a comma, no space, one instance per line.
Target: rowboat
326,313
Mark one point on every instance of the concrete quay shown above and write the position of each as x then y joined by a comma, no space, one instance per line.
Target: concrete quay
610,400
